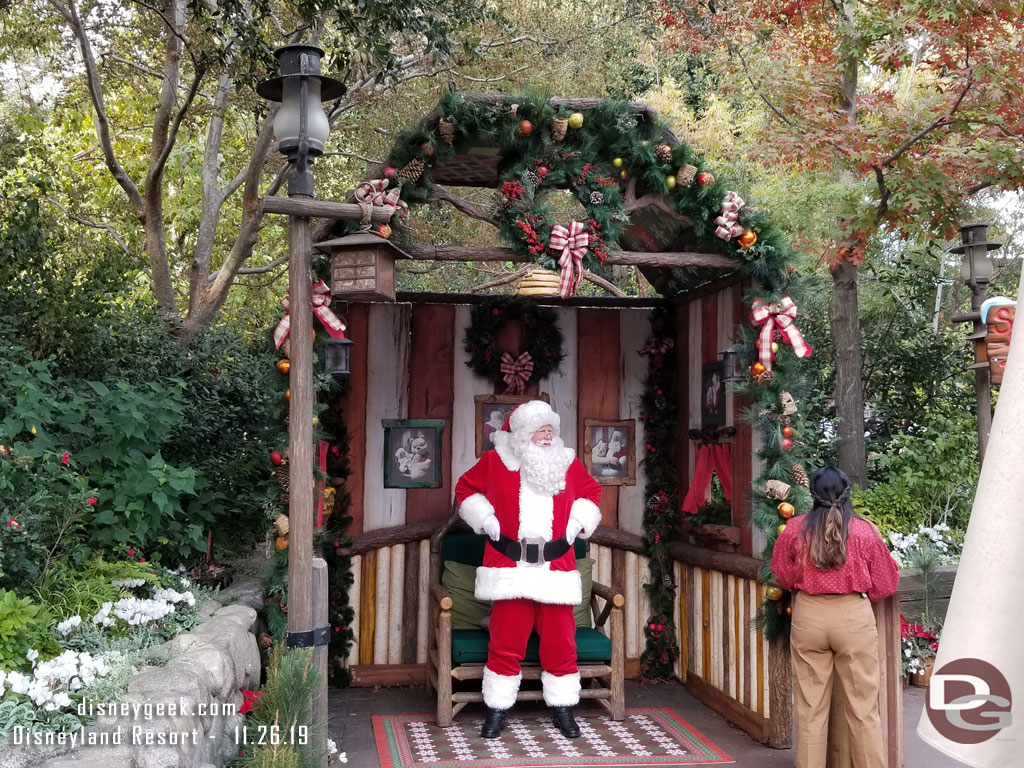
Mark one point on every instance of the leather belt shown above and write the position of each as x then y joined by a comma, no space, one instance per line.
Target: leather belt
531,551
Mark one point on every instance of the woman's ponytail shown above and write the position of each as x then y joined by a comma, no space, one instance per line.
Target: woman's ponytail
828,524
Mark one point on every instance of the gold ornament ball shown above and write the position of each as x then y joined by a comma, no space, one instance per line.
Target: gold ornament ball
576,120
623,175
775,347
747,239
782,528
789,610
316,421
287,395
757,369
773,593
617,162
284,365
670,182
787,510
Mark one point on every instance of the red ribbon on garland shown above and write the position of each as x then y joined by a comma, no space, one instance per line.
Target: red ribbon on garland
573,244
781,317
321,309
517,371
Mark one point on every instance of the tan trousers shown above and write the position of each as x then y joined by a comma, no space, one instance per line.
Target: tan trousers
836,633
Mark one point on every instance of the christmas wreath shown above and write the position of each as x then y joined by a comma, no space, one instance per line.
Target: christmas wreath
542,342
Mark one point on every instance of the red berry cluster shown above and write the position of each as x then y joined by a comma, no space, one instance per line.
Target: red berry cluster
512,190
533,243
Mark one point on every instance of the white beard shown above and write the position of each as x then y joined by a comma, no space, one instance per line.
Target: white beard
543,467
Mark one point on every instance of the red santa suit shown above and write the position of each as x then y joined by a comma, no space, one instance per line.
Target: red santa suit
526,595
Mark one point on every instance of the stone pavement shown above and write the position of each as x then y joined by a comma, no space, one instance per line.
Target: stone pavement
351,710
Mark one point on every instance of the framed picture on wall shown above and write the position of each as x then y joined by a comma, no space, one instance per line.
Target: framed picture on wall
491,412
609,451
412,453
712,395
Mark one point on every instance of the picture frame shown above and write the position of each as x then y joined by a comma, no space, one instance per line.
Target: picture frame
412,453
609,451
491,412
713,395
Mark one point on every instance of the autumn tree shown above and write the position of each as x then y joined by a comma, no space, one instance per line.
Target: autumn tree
913,109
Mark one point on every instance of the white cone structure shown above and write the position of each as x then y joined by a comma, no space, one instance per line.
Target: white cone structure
984,621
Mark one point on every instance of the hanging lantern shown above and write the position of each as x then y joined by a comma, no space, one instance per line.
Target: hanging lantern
362,266
336,356
734,362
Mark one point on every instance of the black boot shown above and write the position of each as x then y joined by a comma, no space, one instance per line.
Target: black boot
566,722
493,723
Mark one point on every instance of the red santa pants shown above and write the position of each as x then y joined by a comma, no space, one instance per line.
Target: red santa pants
512,621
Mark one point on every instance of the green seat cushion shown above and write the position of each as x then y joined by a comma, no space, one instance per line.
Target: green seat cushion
585,565
460,580
469,646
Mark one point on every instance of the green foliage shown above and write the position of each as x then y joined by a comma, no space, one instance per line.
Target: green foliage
925,477
69,590
286,705
542,338
24,624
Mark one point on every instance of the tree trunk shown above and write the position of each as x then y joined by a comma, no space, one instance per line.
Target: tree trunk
849,392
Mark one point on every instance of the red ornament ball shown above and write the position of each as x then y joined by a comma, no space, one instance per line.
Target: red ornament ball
276,458
653,627
704,178
786,443
787,431
384,231
389,172
525,128
542,171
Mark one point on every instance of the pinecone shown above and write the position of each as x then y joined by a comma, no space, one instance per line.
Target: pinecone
800,476
664,153
766,377
282,473
411,171
596,198
533,178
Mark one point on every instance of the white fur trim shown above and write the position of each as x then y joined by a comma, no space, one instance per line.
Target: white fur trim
532,582
500,690
531,416
508,458
475,510
588,514
536,513
560,690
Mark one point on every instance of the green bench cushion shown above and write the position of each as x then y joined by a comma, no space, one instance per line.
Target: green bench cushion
469,646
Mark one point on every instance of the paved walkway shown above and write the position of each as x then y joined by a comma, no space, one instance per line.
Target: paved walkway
351,726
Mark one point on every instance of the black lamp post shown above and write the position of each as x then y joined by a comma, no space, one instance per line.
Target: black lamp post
976,270
301,128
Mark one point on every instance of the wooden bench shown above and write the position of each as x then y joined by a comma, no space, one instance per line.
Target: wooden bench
460,654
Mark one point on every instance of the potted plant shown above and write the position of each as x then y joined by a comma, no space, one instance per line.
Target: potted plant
921,639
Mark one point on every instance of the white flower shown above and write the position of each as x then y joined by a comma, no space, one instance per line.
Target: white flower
332,748
128,583
69,624
32,655
102,617
19,683
342,758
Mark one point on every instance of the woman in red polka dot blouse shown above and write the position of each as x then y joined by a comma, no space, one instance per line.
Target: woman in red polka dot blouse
836,562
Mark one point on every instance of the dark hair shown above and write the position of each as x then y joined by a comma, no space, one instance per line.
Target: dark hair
828,523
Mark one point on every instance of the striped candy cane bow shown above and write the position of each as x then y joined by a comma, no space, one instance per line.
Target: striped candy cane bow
573,243
777,316
517,371
321,309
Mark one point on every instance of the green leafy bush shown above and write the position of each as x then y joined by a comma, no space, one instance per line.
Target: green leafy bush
24,624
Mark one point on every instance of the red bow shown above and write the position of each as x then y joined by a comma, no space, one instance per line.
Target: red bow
321,308
573,243
726,227
376,192
777,316
517,371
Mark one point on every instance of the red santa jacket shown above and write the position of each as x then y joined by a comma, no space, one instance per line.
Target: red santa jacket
492,487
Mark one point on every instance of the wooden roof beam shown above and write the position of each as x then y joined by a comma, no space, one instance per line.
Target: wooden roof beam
632,258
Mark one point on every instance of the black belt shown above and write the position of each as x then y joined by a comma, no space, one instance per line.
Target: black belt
531,551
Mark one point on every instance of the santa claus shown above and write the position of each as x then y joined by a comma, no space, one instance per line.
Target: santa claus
532,497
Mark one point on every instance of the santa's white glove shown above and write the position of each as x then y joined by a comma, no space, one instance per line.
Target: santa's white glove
572,530
491,528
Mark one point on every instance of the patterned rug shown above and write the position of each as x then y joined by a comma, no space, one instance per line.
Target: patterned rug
530,739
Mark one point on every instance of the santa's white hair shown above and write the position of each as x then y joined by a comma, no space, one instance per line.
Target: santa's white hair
543,467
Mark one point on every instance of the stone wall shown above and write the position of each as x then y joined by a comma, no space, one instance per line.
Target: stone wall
182,714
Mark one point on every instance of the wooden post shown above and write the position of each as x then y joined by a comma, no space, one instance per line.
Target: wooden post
320,619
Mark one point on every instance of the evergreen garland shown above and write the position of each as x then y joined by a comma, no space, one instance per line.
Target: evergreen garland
542,338
660,418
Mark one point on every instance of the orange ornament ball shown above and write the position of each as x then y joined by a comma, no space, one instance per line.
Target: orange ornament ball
789,610
787,510
787,431
747,239
757,369
525,127
284,365
281,543
287,395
